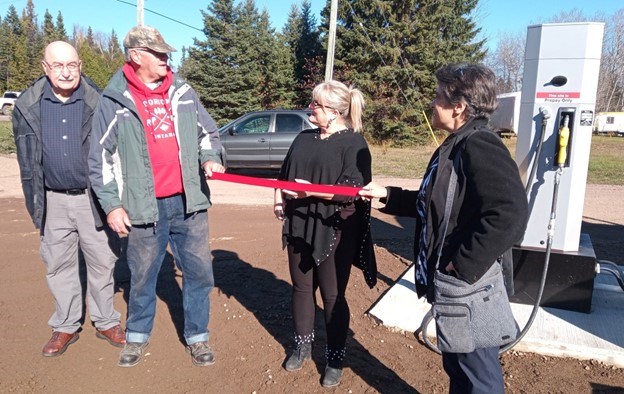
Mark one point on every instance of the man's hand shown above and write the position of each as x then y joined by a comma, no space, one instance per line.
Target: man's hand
212,166
119,221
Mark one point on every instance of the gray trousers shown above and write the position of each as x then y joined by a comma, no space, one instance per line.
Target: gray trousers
69,225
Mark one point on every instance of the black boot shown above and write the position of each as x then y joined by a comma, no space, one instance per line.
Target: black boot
332,376
333,370
302,353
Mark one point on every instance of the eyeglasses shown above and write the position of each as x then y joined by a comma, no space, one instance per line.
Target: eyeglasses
315,104
58,67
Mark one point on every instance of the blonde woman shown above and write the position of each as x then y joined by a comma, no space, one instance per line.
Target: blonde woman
325,234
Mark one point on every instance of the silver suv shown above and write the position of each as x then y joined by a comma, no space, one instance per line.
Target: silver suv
261,139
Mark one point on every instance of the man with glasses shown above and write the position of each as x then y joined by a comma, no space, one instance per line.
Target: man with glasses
152,143
51,126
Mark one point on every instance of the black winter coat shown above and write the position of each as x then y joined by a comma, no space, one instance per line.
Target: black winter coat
27,134
490,209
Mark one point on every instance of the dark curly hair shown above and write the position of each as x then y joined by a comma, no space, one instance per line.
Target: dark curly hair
475,84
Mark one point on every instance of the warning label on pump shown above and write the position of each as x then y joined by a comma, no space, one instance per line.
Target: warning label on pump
587,118
558,97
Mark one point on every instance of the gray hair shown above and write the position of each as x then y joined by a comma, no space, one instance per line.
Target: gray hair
474,84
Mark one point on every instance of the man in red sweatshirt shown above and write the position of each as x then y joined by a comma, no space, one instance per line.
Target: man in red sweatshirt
152,145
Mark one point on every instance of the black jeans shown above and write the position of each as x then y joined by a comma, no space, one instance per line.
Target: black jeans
332,277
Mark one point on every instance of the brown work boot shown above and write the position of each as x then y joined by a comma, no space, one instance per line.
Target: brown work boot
58,343
114,335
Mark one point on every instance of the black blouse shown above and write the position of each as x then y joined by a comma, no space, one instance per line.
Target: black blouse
343,158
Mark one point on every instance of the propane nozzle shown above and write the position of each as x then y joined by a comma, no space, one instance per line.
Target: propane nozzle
564,137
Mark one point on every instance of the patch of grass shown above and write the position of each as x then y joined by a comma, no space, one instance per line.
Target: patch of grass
401,162
7,143
606,163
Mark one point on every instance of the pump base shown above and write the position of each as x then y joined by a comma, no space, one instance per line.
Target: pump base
569,282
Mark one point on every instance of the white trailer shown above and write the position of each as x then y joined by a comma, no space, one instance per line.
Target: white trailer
609,123
506,117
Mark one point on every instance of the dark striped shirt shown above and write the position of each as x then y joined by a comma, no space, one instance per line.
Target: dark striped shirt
61,132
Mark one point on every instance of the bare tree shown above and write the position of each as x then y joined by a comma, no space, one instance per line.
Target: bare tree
611,82
507,61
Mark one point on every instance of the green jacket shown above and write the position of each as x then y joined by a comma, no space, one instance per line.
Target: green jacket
119,164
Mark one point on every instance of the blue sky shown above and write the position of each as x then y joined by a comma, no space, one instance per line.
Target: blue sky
493,16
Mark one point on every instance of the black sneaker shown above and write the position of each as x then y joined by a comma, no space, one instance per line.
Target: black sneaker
302,353
132,353
332,377
201,354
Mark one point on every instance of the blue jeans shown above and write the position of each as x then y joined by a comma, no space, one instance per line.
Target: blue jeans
478,372
187,235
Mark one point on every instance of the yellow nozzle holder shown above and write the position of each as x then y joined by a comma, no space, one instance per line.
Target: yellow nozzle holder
564,137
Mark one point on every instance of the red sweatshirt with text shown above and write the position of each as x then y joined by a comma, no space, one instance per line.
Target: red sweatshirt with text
154,108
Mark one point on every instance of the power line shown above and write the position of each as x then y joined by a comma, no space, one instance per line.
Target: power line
161,15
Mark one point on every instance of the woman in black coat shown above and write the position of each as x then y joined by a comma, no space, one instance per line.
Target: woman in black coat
489,212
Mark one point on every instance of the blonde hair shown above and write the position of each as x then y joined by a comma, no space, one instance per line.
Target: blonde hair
348,101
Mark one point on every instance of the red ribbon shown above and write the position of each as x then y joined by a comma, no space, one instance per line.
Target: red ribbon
294,186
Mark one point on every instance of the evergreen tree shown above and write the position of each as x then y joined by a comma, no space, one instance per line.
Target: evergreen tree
94,62
5,32
278,84
391,49
33,40
60,27
239,66
49,30
114,54
13,21
211,61
303,38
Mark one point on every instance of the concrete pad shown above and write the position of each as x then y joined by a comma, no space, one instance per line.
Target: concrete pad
597,335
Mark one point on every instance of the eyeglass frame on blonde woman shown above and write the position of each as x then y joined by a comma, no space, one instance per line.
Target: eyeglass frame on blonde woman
315,104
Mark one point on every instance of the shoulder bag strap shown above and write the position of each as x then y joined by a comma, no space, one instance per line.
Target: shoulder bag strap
450,194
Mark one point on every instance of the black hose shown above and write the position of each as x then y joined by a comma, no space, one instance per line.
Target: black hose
549,242
613,269
538,152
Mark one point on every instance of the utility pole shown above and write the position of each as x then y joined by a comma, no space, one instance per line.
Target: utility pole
331,41
140,12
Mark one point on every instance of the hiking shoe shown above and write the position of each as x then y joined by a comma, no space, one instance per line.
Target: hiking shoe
201,354
332,377
132,353
302,353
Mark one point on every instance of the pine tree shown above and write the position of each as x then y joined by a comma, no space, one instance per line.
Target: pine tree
49,30
33,40
114,53
92,56
391,49
303,38
60,27
10,30
238,67
210,62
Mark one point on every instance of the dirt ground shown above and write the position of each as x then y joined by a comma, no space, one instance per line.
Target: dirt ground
250,325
